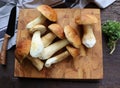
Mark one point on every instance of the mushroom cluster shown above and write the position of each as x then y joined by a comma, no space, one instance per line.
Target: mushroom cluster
43,46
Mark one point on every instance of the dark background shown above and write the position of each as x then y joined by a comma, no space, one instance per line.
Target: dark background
111,64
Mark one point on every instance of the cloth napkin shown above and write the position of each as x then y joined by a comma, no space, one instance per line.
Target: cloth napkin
7,5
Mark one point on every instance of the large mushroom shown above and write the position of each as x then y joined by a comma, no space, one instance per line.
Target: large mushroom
36,43
87,21
46,12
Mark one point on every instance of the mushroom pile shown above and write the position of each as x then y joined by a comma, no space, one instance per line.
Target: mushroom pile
46,41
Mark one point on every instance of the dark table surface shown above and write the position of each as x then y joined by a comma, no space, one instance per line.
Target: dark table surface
111,65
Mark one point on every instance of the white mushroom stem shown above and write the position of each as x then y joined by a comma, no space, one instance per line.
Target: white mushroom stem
57,58
39,20
53,48
48,38
36,45
88,39
36,62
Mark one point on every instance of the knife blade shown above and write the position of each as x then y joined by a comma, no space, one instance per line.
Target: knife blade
9,33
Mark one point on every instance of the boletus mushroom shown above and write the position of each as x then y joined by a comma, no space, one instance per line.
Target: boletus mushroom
72,36
87,21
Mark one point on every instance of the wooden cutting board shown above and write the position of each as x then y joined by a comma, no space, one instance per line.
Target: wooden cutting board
88,67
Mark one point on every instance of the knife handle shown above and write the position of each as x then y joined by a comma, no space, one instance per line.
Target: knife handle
3,49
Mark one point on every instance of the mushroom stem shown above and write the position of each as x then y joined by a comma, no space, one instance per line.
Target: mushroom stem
36,45
48,38
53,48
88,39
39,20
82,51
36,62
57,58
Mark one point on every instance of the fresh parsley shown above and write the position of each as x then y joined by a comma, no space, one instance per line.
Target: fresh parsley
112,30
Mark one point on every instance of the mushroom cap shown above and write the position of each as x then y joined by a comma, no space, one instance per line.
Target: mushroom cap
73,51
48,12
22,49
72,36
40,28
86,19
57,30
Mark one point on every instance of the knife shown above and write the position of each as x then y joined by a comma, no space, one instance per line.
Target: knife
9,33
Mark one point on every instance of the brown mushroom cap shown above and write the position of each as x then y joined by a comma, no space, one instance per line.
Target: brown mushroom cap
22,49
72,36
40,28
57,30
86,19
48,12
73,51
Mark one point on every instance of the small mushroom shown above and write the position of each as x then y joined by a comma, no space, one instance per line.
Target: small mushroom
57,30
36,43
46,12
53,48
87,21
72,36
56,59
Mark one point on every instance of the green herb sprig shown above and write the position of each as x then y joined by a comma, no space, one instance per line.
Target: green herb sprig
112,30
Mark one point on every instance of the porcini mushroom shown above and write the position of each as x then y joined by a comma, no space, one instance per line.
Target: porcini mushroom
36,43
87,21
57,30
46,12
56,59
53,48
72,36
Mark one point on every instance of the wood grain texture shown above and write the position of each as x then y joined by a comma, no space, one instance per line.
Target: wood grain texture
88,67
